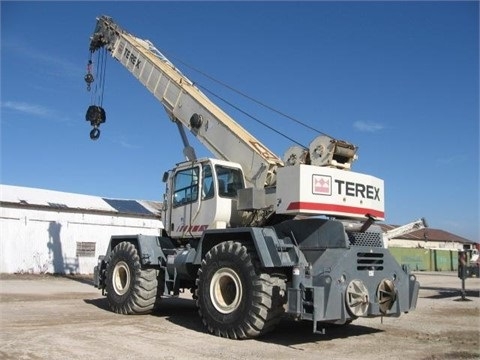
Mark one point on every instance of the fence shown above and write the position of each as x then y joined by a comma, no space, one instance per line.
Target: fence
426,259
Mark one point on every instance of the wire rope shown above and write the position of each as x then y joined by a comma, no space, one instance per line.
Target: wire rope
250,116
231,88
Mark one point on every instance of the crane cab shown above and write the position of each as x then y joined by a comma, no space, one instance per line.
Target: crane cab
201,195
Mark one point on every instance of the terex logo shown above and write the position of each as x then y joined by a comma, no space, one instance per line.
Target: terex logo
134,60
358,190
322,185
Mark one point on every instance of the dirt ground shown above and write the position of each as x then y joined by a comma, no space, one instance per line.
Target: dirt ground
48,317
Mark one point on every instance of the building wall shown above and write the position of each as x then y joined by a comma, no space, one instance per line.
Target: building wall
55,241
430,244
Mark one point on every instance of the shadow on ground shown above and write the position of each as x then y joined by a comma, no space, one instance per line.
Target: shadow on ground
443,293
100,303
290,333
287,333
184,313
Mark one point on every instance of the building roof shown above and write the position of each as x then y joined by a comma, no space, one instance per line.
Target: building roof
41,198
428,234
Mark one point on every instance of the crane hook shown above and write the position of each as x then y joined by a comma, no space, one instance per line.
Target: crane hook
95,133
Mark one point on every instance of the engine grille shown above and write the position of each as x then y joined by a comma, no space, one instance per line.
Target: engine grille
369,261
371,239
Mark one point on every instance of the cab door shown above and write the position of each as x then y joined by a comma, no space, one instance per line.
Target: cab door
185,199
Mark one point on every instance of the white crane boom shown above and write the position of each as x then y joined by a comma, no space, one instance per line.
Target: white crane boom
186,104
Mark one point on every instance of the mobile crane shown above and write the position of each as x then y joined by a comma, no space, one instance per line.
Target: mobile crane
242,231
403,230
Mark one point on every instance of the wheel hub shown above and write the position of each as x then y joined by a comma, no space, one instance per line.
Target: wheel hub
226,290
121,278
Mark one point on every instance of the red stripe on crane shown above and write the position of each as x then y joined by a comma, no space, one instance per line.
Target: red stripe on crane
302,205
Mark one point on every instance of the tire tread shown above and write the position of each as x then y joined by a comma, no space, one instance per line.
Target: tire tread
142,296
268,293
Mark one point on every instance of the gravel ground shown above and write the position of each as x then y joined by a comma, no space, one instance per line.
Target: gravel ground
52,317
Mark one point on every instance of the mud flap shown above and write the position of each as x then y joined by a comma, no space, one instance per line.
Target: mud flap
414,289
99,274
318,309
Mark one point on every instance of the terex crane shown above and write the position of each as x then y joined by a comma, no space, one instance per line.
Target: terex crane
242,231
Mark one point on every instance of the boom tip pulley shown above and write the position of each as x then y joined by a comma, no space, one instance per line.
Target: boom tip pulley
89,79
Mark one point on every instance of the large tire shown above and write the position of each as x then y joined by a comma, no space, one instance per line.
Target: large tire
234,298
130,290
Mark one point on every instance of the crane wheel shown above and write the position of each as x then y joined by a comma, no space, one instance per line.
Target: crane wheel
234,298
130,290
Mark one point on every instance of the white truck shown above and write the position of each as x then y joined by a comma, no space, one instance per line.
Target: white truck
252,236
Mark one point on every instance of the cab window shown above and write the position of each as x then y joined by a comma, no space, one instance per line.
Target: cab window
185,188
229,180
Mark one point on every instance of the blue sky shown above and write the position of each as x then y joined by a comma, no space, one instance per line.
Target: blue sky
398,79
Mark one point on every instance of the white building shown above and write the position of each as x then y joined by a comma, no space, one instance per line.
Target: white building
43,231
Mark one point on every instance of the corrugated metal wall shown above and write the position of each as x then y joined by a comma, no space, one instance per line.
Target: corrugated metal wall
426,259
